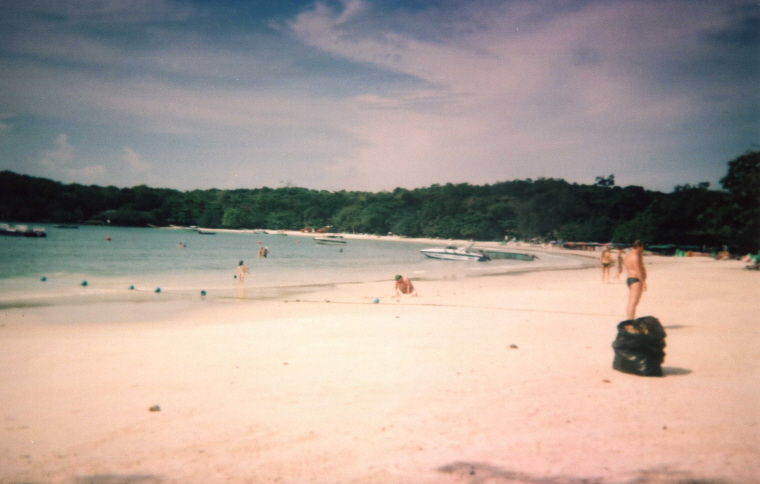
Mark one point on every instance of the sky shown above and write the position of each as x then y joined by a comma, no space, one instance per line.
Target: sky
372,95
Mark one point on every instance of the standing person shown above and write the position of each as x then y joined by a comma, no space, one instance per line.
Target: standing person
637,277
606,262
241,272
404,286
619,264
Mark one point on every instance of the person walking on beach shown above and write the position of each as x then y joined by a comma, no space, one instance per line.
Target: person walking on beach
404,286
637,277
241,272
606,262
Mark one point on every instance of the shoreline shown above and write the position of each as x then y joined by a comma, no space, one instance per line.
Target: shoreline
65,290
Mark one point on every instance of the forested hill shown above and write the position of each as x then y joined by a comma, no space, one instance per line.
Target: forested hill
543,209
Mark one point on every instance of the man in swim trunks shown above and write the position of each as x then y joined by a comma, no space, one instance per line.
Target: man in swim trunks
404,286
637,277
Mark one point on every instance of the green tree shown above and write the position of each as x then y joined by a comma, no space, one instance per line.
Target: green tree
743,185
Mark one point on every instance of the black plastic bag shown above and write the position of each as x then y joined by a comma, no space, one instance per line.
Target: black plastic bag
639,347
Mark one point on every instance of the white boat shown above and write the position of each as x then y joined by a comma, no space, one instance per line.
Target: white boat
456,253
330,239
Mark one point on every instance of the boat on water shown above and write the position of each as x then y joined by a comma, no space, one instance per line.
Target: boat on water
499,254
206,232
456,253
330,239
22,231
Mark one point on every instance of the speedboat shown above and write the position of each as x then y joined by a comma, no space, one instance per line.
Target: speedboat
456,253
330,239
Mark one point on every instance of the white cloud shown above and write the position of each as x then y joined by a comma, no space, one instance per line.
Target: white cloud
563,94
134,160
62,163
63,154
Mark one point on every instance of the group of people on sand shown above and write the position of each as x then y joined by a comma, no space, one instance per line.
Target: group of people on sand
633,263
632,260
607,263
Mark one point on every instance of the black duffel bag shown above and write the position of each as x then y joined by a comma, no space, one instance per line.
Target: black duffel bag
639,347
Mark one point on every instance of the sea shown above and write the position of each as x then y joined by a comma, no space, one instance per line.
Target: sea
114,263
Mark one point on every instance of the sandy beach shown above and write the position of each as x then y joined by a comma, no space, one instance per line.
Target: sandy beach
500,379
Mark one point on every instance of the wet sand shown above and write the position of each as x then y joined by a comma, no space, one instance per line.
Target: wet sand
479,380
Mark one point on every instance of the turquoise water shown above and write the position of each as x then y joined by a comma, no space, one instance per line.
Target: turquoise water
147,259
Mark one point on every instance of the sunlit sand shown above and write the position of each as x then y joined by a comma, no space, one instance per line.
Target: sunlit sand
490,379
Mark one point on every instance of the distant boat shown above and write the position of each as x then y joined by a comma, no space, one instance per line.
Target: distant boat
65,226
499,254
330,239
455,253
22,231
206,232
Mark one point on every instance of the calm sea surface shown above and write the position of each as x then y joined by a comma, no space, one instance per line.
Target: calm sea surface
146,259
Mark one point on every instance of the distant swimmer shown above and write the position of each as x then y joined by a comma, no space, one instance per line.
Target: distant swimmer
404,286
241,272
637,277
263,252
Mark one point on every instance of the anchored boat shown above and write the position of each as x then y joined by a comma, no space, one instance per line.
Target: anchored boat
330,239
22,231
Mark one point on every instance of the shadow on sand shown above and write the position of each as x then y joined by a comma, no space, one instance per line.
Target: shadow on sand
483,473
119,479
674,371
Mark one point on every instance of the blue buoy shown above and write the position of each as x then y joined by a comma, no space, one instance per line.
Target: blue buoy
43,279
158,289
376,300
203,293
84,283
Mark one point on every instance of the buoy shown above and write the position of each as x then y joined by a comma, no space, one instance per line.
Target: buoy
203,293
131,288
84,283
376,300
158,289
108,237
43,279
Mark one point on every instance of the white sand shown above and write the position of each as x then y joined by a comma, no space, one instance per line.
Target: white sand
503,379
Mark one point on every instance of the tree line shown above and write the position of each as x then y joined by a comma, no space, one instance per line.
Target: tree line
541,210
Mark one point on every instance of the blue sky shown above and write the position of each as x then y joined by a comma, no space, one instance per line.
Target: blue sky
373,95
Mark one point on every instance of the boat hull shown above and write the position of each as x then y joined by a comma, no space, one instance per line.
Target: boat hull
329,240
453,254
